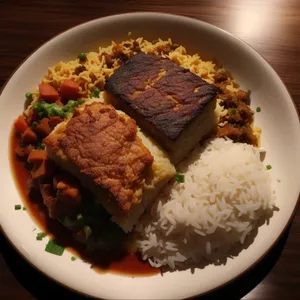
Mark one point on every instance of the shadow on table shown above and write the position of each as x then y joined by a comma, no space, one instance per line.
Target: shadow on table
43,288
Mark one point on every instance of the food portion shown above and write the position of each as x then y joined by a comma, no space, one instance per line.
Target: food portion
101,148
225,193
169,102
98,141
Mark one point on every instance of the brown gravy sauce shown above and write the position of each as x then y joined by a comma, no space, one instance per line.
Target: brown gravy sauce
121,263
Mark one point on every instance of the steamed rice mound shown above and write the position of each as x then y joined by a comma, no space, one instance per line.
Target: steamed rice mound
226,192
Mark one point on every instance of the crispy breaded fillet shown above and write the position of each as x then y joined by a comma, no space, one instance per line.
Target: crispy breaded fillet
169,102
102,148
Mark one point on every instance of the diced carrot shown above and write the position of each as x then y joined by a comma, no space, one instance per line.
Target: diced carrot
23,151
42,169
29,137
59,102
37,156
21,125
54,121
48,92
70,90
43,127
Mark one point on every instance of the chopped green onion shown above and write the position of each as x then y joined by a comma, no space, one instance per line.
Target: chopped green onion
82,56
28,96
18,207
79,217
40,236
24,208
54,248
96,92
233,111
73,258
87,230
69,107
41,146
34,124
268,167
179,178
258,109
34,229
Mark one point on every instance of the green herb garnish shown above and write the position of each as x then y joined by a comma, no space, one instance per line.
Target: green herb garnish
49,110
34,124
41,146
40,236
179,178
18,207
24,208
73,258
81,56
233,111
34,229
28,96
258,109
87,230
79,217
96,93
268,167
54,248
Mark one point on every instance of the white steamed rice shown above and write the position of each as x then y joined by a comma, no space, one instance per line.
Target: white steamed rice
226,192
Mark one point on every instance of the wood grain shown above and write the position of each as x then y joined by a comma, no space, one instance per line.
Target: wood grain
269,26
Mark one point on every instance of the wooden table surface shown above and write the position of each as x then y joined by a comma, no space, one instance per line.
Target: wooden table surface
272,27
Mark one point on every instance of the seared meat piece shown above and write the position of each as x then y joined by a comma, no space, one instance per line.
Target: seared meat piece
238,112
103,149
169,102
220,77
243,96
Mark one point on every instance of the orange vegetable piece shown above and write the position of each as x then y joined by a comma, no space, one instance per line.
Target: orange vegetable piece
48,92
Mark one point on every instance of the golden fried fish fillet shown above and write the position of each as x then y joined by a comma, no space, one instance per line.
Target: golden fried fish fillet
103,149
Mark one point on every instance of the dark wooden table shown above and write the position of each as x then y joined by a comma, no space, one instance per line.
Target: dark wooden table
272,27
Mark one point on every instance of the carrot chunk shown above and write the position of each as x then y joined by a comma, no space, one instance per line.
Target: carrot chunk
20,125
43,127
48,92
37,156
70,90
29,137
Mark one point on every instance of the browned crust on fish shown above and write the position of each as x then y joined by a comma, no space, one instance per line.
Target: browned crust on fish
104,146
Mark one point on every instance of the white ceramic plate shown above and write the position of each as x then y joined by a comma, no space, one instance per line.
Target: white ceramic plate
280,137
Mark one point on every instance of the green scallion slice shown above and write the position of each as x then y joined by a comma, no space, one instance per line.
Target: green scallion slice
73,258
18,207
179,178
258,109
87,230
79,217
40,236
268,167
54,248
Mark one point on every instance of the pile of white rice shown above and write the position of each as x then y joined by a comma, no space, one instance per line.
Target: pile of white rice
226,191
